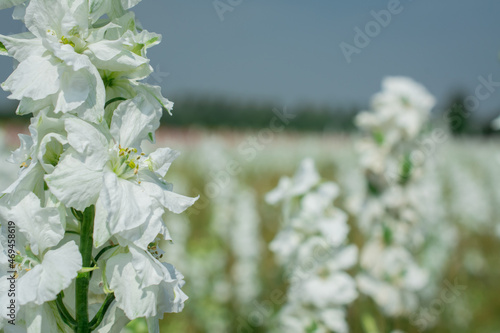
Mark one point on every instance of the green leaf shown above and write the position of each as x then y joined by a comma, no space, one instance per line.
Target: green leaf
387,235
312,328
88,269
369,324
77,214
3,49
373,189
378,137
138,48
151,41
406,169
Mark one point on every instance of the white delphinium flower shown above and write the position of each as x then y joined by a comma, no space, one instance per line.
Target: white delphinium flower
388,215
312,247
126,186
304,179
143,286
400,110
40,270
393,277
37,155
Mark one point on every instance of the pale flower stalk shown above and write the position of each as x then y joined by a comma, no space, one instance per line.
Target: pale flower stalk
313,248
391,274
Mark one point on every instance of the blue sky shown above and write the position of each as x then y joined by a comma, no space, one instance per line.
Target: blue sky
287,51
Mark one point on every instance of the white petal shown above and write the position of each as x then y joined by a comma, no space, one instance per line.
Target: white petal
87,140
335,320
161,159
345,259
22,46
101,230
24,151
305,177
126,280
336,289
50,150
10,3
131,298
30,180
159,190
59,16
170,297
74,90
280,192
43,227
128,204
142,235
74,184
149,270
134,121
92,109
40,318
113,8
55,273
113,56
36,78
154,96
114,320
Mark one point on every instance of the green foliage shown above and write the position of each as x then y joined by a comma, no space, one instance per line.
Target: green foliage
458,115
224,113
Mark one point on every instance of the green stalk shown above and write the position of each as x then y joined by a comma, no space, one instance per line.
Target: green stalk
83,278
116,99
64,313
102,311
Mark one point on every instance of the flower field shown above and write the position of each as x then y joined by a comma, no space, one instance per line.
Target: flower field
458,197
222,246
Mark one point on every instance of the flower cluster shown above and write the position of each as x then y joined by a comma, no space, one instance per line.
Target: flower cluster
312,247
388,215
88,203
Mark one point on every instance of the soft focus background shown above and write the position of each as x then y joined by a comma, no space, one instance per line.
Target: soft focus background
232,66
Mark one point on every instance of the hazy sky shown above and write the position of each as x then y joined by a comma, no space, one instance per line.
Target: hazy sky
288,51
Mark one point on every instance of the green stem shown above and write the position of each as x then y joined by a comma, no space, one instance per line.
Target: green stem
77,214
116,99
102,311
100,254
82,280
104,250
64,313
